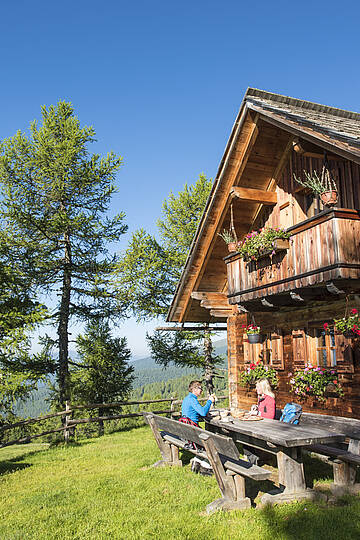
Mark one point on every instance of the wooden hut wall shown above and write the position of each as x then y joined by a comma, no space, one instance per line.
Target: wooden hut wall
295,204
294,349
294,339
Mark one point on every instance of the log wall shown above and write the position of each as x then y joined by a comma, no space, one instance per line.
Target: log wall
294,358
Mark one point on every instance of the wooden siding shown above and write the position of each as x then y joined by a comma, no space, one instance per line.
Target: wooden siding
299,346
323,248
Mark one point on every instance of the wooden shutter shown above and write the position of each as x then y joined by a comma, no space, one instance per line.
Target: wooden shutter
299,348
252,351
277,351
344,355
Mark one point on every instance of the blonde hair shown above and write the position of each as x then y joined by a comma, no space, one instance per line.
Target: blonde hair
265,387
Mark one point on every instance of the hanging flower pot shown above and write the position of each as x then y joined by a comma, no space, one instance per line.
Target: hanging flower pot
348,326
329,198
254,338
232,247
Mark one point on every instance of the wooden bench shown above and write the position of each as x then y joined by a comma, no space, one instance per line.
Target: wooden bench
346,459
230,471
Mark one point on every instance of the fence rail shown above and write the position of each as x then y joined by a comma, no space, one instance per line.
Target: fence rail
70,424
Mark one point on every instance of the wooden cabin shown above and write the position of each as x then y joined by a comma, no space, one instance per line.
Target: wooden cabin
315,280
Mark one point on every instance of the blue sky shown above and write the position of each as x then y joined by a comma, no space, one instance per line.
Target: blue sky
162,82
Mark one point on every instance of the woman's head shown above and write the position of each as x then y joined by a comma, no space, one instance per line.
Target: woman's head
263,387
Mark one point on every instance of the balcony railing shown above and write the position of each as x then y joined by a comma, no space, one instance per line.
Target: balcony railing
323,249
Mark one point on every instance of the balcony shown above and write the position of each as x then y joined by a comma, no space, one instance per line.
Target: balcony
323,259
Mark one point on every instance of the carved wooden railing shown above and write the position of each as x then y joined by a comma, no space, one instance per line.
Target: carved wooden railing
322,249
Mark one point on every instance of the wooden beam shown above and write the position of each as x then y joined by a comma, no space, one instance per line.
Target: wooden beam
285,156
221,313
215,304
254,195
191,328
204,295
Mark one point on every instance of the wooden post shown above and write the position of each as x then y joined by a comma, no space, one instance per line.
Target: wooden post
67,421
172,407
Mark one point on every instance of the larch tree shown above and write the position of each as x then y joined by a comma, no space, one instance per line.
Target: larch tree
150,270
54,210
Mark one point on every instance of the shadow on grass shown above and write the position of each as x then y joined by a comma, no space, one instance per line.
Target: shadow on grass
314,521
12,466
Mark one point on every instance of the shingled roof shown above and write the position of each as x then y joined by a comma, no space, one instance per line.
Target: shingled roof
339,127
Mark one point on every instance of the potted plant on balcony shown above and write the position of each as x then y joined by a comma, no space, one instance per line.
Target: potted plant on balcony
324,186
257,371
316,382
253,333
349,325
266,241
229,239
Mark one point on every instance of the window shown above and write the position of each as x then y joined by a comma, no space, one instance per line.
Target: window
325,348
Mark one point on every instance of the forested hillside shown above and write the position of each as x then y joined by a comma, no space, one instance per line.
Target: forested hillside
150,380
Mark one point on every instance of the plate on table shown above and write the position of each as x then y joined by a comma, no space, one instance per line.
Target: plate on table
250,418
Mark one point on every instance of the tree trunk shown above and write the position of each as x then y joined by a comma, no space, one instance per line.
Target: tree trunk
208,362
63,367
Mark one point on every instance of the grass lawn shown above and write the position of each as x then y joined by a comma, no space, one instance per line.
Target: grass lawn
105,488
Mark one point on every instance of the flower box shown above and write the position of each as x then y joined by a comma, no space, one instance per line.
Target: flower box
279,245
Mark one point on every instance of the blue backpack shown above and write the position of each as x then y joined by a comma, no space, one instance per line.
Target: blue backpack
291,413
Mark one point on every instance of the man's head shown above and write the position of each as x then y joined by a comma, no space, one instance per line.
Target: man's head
195,387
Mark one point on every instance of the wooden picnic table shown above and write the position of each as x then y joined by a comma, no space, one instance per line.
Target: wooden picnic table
284,440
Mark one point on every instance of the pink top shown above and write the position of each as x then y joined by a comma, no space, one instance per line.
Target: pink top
266,406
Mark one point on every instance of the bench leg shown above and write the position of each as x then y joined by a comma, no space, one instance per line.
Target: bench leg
344,479
175,460
345,474
232,490
164,447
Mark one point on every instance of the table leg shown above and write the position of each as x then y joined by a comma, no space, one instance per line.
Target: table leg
291,479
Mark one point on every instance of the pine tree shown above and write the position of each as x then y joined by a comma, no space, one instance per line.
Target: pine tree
55,199
102,374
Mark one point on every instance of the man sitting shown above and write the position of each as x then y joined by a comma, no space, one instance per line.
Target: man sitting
191,409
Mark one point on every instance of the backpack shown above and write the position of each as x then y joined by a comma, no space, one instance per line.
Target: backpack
291,413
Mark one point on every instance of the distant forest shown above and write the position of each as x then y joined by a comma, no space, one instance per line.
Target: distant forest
151,382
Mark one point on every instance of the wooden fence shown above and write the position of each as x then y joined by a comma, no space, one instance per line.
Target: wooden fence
69,424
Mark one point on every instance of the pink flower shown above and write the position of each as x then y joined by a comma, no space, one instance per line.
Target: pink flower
354,311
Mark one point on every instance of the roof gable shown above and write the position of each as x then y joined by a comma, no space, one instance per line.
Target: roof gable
264,120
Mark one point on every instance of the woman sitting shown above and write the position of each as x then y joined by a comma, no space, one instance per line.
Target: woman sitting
266,408
266,399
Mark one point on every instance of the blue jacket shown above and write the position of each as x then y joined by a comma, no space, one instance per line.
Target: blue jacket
192,409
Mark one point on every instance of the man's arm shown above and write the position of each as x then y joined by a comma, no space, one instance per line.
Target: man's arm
202,411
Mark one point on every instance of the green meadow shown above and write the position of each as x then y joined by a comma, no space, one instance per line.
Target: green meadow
105,488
